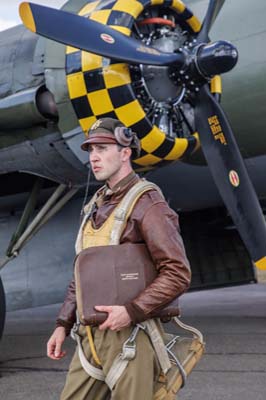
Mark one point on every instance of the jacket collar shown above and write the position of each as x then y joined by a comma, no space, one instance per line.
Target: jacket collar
117,192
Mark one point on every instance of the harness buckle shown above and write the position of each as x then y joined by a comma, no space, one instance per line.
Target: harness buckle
129,347
74,330
129,351
120,214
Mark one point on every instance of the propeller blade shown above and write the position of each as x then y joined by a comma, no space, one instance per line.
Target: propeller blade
91,36
213,10
230,174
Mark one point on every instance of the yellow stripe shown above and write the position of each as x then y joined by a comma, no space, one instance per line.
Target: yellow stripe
70,50
27,17
178,6
90,61
216,84
153,140
194,23
89,8
100,102
130,113
156,2
196,136
261,264
123,29
86,123
133,8
101,16
76,85
116,75
178,150
149,159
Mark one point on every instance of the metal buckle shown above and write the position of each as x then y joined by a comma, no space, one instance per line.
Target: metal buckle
129,351
74,331
120,214
129,347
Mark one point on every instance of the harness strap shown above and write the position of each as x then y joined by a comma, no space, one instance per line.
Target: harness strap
118,367
196,333
158,344
96,373
125,207
87,212
119,364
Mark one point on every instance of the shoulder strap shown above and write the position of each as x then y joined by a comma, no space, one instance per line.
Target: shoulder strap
87,211
88,207
126,206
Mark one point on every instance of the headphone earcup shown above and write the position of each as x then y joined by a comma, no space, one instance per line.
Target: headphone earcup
124,136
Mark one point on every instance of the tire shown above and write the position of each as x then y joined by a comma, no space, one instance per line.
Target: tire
2,308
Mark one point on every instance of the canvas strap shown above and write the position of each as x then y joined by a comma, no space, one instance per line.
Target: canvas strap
125,207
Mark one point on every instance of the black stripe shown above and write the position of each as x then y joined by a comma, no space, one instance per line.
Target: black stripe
120,18
110,114
142,127
165,148
192,142
94,80
143,153
121,95
163,163
145,3
186,14
82,107
73,62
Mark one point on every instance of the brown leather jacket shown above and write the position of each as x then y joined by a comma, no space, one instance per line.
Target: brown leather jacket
152,222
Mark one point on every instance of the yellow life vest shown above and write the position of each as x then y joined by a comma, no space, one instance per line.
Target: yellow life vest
110,231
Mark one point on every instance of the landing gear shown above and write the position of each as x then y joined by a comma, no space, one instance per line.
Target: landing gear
2,308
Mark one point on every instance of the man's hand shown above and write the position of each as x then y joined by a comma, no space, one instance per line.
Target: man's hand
54,345
117,319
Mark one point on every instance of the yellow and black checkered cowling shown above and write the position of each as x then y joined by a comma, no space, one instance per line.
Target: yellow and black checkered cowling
99,87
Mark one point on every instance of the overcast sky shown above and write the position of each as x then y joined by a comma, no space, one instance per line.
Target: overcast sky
9,15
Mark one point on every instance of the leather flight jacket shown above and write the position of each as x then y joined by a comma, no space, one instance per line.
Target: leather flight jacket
151,222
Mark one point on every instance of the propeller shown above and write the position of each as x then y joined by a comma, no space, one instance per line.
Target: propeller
200,63
105,41
212,12
229,173
224,159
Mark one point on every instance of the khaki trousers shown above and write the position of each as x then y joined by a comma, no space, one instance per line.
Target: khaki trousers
138,382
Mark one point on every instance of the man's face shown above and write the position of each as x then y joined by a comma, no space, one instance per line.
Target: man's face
106,161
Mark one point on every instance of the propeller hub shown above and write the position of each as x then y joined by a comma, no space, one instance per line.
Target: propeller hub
215,58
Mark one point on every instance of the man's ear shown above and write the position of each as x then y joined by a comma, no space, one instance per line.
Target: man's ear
126,154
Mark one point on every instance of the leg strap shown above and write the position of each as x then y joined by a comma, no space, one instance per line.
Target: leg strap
119,364
158,344
121,361
96,373
128,353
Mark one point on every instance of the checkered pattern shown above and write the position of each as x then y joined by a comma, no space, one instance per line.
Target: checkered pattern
101,88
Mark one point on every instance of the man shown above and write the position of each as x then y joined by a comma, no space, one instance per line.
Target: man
110,146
